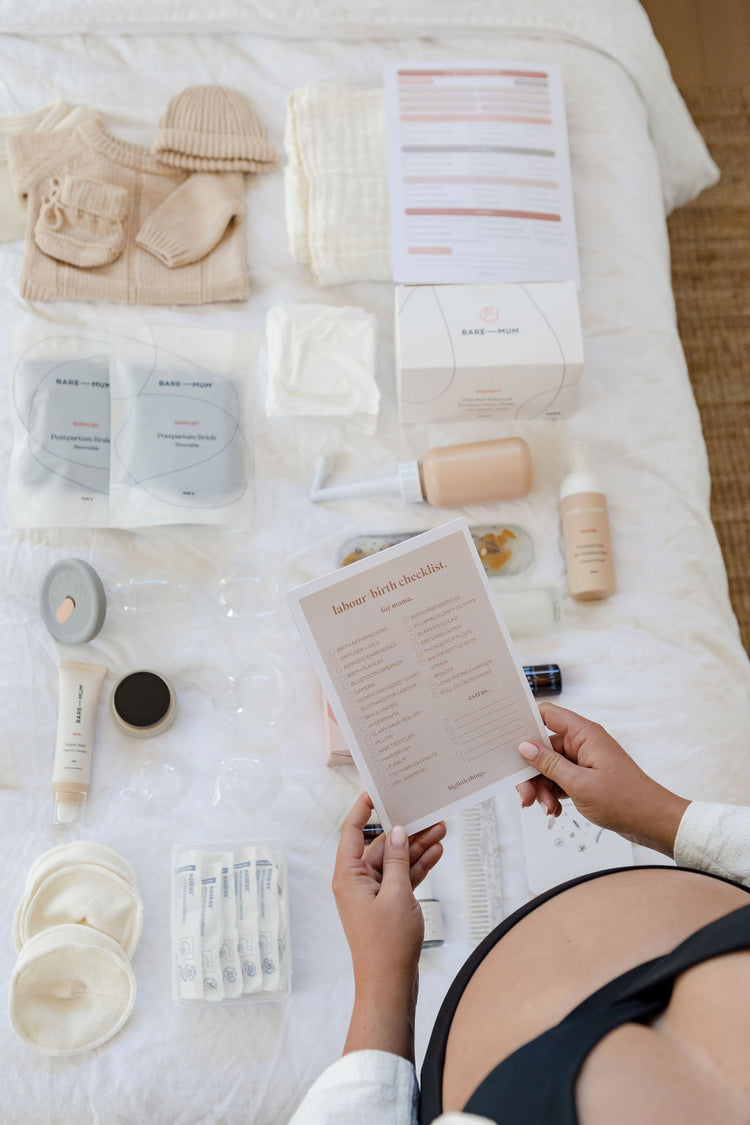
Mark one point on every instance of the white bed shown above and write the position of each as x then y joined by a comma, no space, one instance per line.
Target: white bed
661,664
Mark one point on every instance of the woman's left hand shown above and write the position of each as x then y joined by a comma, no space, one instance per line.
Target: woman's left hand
373,886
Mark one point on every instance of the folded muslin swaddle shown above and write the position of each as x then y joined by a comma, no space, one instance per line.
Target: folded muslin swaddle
336,183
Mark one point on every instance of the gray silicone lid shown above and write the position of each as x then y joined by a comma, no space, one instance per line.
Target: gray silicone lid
76,580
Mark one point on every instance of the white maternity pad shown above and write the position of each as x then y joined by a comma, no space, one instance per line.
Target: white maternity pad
72,989
321,361
88,895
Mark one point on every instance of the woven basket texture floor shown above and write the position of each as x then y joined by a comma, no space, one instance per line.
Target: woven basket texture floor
710,240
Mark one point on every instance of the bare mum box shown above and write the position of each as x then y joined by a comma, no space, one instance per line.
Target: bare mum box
487,351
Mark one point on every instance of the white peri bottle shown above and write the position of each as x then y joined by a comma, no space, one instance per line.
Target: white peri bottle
585,524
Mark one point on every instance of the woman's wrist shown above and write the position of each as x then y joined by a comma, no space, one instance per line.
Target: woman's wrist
659,820
383,1018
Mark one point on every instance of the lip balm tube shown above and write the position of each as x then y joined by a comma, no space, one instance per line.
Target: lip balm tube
80,687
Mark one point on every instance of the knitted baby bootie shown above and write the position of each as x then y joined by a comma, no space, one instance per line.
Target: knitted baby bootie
82,222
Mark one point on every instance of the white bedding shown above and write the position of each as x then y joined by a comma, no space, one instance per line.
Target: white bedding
661,664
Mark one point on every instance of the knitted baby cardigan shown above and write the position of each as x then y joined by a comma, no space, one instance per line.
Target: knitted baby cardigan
89,196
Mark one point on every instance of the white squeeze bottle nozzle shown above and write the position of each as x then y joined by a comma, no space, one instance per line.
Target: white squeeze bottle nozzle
404,482
449,476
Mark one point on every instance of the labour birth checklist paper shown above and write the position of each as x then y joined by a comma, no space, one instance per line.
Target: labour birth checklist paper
421,674
479,173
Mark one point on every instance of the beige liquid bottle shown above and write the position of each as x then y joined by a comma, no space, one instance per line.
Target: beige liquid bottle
585,524
477,472
449,476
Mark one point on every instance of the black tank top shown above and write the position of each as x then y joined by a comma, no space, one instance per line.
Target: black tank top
536,1083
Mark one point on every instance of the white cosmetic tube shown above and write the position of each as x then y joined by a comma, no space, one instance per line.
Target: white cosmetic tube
80,687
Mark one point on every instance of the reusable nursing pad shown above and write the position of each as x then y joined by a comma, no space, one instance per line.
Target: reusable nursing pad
80,851
71,990
87,894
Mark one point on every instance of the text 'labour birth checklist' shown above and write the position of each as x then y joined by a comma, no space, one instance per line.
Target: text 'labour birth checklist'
421,674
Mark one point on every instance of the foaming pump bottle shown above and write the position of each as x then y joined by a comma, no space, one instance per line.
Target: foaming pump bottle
585,524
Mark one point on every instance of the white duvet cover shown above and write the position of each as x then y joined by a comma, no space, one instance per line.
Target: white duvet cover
660,664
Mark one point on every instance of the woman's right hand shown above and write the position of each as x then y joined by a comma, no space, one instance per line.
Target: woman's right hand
604,783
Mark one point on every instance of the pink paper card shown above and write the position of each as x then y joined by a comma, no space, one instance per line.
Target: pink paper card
421,674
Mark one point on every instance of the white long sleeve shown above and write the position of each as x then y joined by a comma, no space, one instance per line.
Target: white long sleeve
369,1088
362,1088
715,838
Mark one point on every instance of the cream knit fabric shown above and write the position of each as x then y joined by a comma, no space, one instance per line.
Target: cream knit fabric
213,129
52,118
193,218
82,222
40,162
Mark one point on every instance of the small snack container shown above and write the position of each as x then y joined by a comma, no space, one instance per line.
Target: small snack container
230,923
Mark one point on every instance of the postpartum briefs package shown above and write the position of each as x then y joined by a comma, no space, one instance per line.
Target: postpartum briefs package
59,471
180,426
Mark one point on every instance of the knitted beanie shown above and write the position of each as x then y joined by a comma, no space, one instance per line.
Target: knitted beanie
213,129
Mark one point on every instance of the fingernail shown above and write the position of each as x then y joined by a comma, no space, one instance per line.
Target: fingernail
398,836
528,751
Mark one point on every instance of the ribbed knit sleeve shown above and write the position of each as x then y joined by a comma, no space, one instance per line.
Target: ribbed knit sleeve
715,838
192,219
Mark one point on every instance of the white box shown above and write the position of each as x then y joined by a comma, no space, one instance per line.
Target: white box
487,351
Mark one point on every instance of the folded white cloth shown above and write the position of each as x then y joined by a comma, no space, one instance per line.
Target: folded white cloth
321,361
336,183
72,989
86,894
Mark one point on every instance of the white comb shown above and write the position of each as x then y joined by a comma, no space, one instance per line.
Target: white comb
481,858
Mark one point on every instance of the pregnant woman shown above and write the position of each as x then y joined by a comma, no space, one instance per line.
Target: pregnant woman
618,997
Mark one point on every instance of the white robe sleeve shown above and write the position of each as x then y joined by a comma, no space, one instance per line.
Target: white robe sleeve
715,838
369,1088
362,1088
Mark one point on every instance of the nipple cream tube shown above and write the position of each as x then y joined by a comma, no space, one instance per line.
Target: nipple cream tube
80,687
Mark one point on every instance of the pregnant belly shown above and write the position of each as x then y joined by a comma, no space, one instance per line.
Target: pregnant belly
578,941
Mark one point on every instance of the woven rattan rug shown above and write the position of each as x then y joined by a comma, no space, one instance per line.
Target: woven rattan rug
710,241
